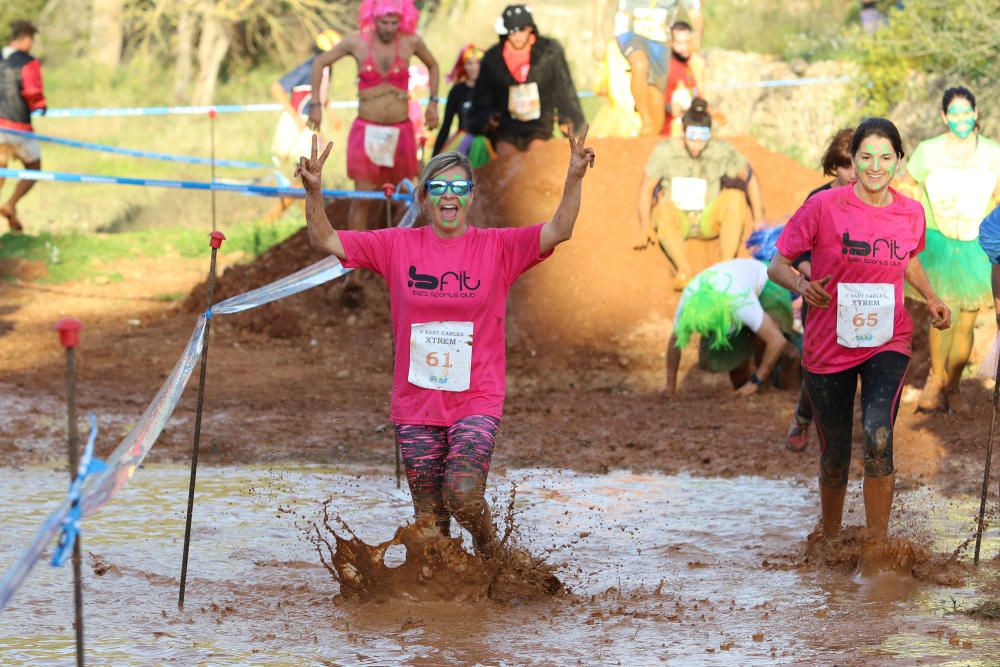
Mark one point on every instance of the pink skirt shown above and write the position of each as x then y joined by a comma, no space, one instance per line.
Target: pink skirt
362,167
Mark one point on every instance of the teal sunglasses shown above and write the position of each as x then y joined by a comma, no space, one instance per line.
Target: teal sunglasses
460,188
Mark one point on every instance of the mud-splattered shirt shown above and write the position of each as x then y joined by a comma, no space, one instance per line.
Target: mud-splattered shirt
432,279
853,243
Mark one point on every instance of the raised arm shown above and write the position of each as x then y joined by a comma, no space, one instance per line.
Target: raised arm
560,227
322,235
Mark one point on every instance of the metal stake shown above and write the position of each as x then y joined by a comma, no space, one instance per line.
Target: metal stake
989,457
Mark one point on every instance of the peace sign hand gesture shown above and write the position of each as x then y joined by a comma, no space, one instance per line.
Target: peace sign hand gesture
310,170
580,156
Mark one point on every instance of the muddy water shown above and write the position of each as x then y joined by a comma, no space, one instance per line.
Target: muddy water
677,570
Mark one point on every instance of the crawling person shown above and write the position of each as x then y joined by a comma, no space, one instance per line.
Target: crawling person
731,306
448,283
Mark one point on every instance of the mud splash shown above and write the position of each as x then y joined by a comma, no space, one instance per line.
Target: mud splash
435,567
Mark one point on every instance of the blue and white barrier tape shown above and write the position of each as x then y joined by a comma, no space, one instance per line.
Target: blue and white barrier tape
779,83
131,152
353,104
123,463
261,190
71,522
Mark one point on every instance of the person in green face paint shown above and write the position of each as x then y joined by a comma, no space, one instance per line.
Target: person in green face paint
956,176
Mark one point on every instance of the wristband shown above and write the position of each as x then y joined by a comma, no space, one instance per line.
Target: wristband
755,379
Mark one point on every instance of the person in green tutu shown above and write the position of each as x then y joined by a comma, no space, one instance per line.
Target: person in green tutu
463,75
731,306
956,176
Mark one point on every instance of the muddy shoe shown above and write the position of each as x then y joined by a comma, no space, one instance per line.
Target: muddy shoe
933,397
798,434
886,555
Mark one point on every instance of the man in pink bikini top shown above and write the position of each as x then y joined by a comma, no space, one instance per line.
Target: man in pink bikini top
381,146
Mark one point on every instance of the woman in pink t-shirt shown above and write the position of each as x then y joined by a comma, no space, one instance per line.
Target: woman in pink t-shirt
448,285
864,239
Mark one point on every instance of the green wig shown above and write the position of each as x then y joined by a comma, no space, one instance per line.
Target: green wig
710,312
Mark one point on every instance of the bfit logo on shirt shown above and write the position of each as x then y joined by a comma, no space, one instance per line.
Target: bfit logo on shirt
449,284
882,250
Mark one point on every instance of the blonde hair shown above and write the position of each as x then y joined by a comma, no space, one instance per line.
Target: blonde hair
440,164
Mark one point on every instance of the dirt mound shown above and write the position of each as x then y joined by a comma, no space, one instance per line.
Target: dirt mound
596,293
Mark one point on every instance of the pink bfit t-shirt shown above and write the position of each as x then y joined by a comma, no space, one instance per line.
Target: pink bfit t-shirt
854,243
431,279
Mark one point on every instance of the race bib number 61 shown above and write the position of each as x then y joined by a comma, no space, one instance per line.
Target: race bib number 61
441,355
865,314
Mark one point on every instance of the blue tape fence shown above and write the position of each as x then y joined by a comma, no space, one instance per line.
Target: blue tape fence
353,104
71,523
260,190
131,152
102,486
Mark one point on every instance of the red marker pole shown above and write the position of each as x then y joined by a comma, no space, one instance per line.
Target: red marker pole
217,238
69,338
388,189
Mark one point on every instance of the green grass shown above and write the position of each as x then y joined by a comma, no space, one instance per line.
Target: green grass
77,256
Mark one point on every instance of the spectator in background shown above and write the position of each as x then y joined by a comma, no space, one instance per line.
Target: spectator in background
20,94
294,93
459,105
381,146
524,86
682,194
684,76
641,29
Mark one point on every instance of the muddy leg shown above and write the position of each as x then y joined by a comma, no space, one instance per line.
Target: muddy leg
878,502
470,451
961,348
831,500
423,450
882,379
671,232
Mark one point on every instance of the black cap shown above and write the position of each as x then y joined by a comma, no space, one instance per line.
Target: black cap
518,17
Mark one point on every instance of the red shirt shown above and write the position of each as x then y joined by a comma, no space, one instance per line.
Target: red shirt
679,74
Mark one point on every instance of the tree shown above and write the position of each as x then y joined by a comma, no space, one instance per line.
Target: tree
955,42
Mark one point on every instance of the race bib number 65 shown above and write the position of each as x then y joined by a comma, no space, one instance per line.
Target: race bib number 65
441,355
865,314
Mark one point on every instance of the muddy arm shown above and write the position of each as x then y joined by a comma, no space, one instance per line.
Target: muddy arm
673,363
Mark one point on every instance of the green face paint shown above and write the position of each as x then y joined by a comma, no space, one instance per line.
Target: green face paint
463,202
961,118
877,160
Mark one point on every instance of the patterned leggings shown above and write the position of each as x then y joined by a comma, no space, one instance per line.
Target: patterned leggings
446,468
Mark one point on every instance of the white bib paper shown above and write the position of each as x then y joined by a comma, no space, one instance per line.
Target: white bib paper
865,314
688,194
380,144
523,101
441,355
960,199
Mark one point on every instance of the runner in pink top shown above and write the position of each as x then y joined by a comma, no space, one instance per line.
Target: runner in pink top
448,285
864,240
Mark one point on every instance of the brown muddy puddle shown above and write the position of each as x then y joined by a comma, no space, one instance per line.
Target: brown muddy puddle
660,570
